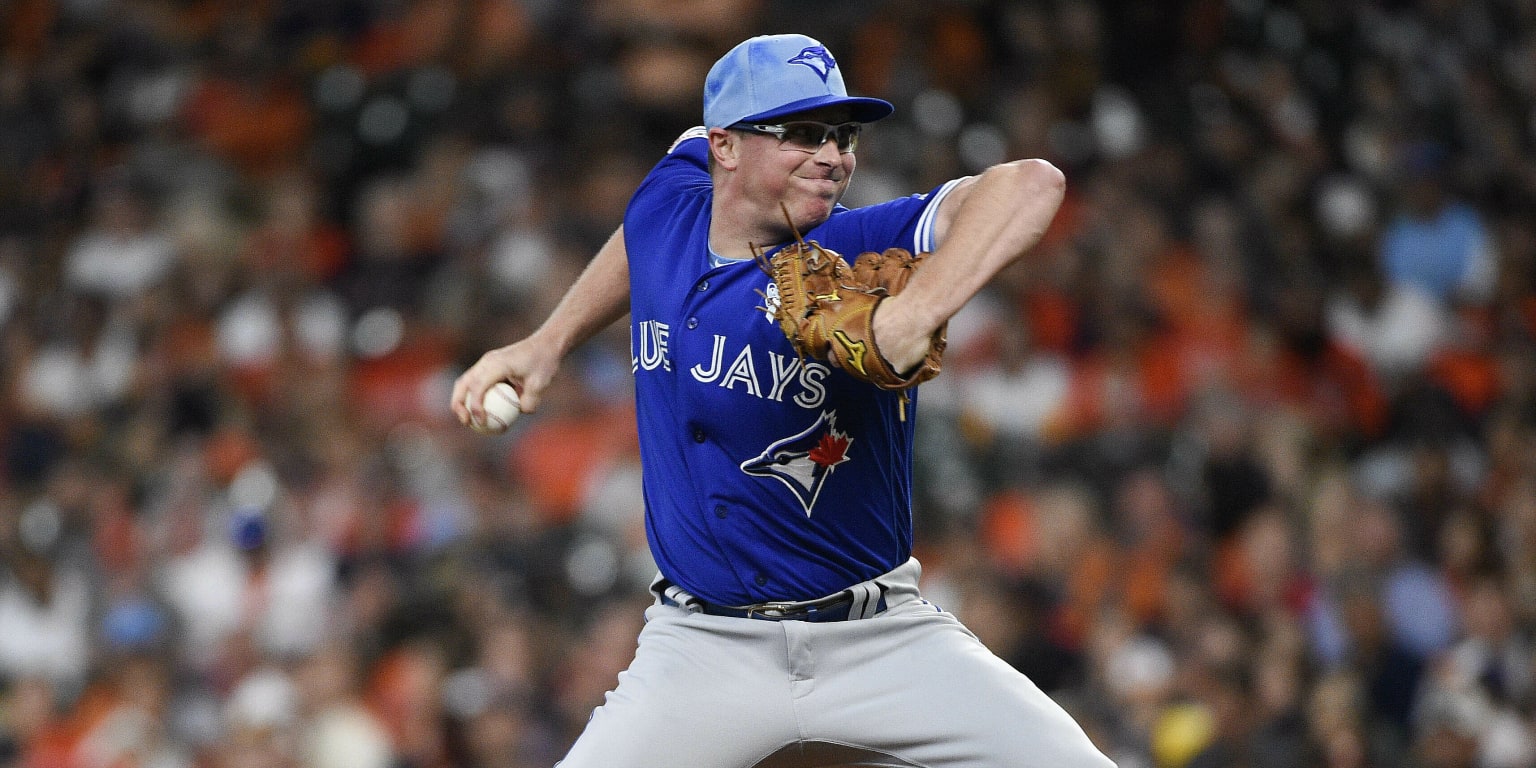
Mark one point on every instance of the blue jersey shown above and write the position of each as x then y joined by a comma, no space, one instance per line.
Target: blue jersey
767,477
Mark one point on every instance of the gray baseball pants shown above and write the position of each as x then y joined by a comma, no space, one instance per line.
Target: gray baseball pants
909,687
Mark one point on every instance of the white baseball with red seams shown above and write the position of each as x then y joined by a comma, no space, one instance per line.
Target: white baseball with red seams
502,407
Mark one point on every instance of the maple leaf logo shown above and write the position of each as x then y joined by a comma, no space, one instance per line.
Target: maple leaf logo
831,451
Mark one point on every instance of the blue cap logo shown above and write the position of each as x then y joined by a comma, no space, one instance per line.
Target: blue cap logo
817,58
775,76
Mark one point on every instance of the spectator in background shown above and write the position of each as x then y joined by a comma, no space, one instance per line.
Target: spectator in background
338,731
1343,731
1395,326
45,600
128,719
1417,611
1481,685
85,363
1437,243
123,251
1011,404
251,586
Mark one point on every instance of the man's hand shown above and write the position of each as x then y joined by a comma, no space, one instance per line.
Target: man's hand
599,297
527,365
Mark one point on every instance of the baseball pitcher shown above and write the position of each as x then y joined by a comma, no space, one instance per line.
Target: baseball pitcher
778,339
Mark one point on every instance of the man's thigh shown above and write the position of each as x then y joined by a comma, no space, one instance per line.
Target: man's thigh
702,691
916,684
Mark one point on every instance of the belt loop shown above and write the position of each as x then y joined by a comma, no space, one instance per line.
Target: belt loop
866,600
677,595
670,593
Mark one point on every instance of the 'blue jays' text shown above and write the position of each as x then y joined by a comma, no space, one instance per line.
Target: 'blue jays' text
737,367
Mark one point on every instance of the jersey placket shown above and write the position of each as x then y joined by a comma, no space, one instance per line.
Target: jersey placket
694,346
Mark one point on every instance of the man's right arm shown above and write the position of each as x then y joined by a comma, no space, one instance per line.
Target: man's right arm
599,297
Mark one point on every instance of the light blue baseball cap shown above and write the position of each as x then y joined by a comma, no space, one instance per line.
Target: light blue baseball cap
773,76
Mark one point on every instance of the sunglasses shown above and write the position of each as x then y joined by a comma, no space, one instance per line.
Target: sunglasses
808,135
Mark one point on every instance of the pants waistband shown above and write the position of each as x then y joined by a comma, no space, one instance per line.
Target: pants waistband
864,600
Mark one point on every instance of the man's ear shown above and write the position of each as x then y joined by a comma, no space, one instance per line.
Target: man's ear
725,148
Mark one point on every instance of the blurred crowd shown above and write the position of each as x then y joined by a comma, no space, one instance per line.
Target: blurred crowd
1239,464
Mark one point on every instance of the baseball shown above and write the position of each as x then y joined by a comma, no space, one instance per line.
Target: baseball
501,409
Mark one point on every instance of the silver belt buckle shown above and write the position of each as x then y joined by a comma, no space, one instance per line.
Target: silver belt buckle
774,610
782,609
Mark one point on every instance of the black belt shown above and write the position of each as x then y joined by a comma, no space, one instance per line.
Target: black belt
835,607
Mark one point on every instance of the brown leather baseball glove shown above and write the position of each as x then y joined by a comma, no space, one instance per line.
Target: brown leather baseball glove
826,308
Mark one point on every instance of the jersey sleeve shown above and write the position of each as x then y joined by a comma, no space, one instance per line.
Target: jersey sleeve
924,239
684,168
906,222
691,148
686,162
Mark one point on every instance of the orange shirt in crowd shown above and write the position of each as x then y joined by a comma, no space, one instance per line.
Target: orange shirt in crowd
260,127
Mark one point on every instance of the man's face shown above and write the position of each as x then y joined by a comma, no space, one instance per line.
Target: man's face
809,184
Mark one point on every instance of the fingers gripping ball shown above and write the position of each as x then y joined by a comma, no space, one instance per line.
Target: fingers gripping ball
502,407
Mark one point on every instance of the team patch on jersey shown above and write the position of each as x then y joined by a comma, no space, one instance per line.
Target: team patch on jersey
804,461
817,58
771,300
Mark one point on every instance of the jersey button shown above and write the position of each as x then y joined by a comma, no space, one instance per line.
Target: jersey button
720,511
703,286
693,322
760,580
698,435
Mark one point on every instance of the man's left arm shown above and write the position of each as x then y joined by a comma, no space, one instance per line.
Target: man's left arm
984,224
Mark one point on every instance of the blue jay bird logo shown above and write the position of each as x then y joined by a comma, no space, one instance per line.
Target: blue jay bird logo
817,58
805,461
